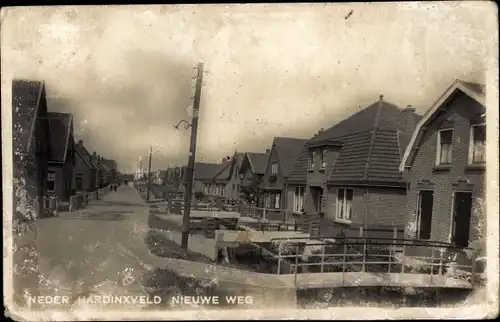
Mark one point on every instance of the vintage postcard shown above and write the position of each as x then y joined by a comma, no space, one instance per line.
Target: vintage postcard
259,161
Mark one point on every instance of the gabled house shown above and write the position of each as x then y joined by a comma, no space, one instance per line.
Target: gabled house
352,172
113,168
202,177
85,170
250,173
31,148
62,157
233,178
445,164
282,157
106,174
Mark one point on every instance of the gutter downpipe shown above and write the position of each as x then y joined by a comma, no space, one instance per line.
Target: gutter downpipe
286,199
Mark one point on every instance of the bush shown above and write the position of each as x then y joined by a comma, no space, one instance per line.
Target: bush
199,195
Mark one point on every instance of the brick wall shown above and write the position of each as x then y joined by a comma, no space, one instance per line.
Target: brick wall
458,115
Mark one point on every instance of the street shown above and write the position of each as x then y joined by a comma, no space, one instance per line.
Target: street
103,249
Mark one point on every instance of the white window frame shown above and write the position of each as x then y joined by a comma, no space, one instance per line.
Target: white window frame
324,154
267,201
298,199
471,144
274,168
277,200
344,205
51,180
438,148
312,159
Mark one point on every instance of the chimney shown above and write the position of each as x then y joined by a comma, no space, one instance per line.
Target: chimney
268,151
80,142
409,119
321,130
94,155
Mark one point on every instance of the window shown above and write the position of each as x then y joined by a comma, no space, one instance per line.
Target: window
51,181
324,153
424,213
298,199
277,201
274,168
477,152
445,143
344,204
222,190
79,182
267,201
312,160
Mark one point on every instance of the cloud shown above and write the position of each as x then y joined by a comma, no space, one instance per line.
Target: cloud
125,72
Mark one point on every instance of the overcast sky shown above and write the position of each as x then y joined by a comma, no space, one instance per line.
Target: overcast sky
275,70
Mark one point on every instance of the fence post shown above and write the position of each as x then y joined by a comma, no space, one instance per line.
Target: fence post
473,269
432,262
441,261
279,257
264,214
344,260
296,262
322,257
404,258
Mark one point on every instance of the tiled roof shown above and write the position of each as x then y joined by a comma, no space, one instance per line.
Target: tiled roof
82,152
59,131
372,143
224,172
89,157
206,171
480,89
288,150
25,100
111,164
258,161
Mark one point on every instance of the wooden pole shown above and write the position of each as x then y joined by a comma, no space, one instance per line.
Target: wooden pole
149,172
192,158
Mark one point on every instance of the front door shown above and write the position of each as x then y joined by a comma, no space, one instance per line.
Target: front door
316,194
462,209
425,205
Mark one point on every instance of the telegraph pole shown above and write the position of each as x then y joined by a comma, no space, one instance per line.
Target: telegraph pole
192,156
149,172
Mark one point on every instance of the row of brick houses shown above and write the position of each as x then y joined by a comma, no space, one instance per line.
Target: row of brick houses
48,161
384,165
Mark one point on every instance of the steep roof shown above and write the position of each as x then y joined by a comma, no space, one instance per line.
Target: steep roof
81,151
258,162
473,90
87,155
111,164
206,171
371,143
26,96
59,130
288,150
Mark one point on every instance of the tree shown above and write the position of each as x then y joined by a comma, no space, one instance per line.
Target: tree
199,195
251,193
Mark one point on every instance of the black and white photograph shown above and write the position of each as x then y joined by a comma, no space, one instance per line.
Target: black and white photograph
250,161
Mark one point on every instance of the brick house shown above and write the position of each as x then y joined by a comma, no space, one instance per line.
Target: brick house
274,184
62,157
113,168
216,185
252,169
202,177
351,170
232,191
85,169
30,147
444,164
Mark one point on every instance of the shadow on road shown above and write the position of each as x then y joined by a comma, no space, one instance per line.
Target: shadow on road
119,203
106,215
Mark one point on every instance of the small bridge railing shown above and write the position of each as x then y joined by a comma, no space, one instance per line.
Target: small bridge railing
376,255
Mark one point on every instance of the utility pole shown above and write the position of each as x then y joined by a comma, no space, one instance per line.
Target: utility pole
192,156
149,172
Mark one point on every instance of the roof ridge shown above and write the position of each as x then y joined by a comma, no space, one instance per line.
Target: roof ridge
372,140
